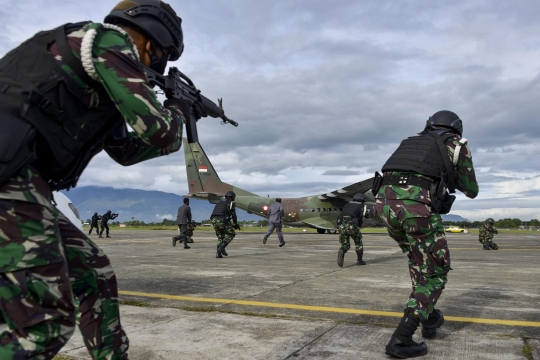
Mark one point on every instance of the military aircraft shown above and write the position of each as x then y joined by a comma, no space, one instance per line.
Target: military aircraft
318,211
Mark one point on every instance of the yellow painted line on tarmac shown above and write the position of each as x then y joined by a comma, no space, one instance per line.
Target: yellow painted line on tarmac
326,309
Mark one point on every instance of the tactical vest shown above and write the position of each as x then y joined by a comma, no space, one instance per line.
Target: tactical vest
35,89
221,209
422,155
353,209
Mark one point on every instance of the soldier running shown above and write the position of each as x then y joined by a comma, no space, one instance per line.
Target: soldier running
412,197
350,222
94,223
221,220
486,235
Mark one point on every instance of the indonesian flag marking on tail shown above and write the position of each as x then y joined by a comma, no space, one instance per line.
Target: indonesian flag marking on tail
203,168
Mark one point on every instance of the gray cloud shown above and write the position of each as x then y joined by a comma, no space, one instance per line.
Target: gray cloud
341,172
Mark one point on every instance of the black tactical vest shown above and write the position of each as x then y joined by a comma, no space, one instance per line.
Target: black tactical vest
221,209
420,154
353,209
35,89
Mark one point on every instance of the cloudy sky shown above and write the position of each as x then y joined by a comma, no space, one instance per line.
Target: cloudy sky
325,90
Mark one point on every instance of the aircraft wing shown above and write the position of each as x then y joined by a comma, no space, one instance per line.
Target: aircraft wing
348,192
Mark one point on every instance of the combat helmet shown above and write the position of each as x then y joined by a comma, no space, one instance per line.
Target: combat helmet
157,19
359,197
108,211
447,119
230,194
490,220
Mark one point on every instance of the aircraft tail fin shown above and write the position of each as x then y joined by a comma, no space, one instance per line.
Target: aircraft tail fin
203,180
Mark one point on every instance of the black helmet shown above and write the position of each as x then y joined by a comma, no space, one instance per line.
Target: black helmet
95,213
490,220
156,18
447,119
359,197
108,211
230,194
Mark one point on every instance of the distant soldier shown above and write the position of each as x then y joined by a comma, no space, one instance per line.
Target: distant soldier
275,221
105,222
486,235
183,218
412,197
94,224
221,220
350,222
189,232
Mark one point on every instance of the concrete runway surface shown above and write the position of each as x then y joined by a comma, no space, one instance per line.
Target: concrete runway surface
294,302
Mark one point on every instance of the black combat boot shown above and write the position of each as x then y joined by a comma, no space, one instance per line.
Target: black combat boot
486,246
264,239
174,241
401,344
218,253
359,255
107,236
223,252
341,256
100,236
493,246
434,321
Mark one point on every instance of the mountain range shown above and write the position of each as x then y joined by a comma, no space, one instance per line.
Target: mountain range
149,206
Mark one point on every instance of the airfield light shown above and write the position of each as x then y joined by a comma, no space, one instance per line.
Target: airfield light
265,208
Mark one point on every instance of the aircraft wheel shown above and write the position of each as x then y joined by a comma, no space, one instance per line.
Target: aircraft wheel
332,231
321,231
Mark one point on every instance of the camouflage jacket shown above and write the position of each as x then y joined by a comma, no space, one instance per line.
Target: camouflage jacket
487,231
463,173
157,130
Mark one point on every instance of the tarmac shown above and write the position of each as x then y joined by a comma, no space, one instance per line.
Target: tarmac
294,302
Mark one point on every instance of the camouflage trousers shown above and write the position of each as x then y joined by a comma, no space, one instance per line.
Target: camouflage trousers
420,234
189,233
224,231
46,265
347,229
92,226
488,243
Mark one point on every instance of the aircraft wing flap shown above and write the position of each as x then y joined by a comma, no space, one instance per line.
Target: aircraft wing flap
348,192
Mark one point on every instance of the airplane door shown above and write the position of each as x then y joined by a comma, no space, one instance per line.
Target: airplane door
291,211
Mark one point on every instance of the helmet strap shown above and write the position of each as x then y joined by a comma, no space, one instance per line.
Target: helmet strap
157,64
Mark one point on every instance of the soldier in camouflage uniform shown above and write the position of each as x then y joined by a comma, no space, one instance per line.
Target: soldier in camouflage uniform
94,223
221,220
409,202
486,235
350,222
76,87
189,232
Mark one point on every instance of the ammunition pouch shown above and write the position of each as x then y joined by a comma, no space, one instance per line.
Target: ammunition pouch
441,200
377,183
17,145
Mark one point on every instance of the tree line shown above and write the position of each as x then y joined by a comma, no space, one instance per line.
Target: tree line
502,223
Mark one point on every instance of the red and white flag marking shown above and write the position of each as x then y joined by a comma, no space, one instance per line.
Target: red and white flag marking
203,168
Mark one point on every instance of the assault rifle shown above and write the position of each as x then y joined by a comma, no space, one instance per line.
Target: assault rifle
178,86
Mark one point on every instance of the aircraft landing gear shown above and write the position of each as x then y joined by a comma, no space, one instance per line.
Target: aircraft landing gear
332,231
321,231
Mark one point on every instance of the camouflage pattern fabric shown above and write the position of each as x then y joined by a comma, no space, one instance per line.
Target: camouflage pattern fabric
44,261
157,130
224,230
419,233
189,232
485,235
347,229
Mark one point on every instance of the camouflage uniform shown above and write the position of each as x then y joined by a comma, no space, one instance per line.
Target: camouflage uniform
486,236
223,227
407,214
45,261
347,229
189,232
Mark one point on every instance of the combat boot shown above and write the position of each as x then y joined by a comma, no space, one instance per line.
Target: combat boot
264,239
486,246
223,252
434,321
401,344
174,241
359,255
493,246
107,236
100,236
218,253
341,256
